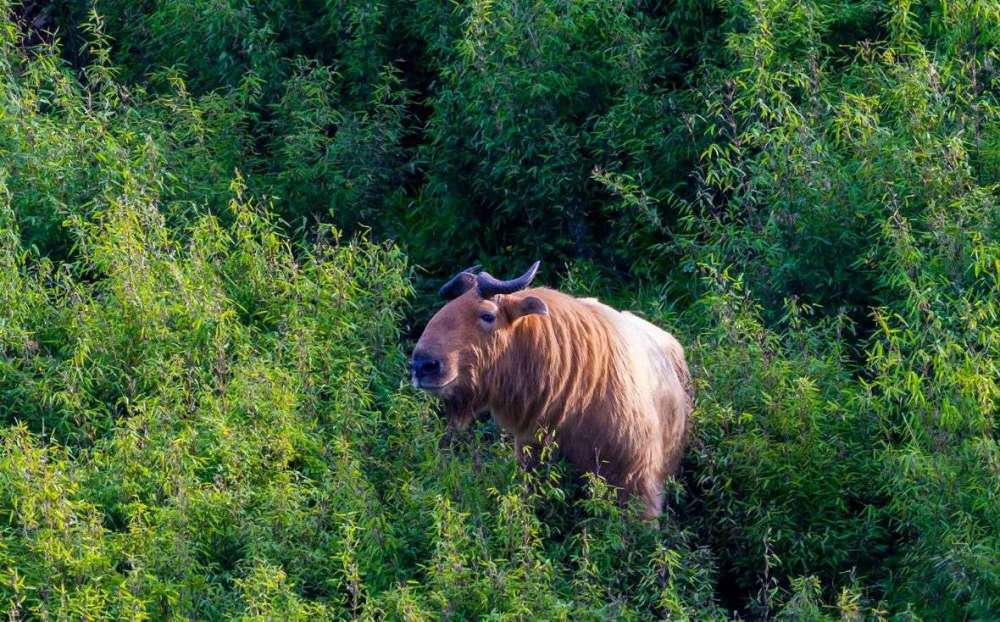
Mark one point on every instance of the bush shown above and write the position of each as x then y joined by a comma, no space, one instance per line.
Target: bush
784,458
221,224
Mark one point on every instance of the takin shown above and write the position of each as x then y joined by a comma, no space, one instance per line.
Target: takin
611,389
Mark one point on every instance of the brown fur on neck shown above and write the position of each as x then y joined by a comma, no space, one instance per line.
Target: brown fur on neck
549,368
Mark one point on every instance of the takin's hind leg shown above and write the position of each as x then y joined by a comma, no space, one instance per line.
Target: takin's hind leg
646,494
651,494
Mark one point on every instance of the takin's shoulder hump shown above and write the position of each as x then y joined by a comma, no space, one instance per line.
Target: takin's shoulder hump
665,340
637,329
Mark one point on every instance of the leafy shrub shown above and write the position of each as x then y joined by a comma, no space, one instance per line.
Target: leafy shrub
346,163
816,147
935,387
211,220
784,458
71,145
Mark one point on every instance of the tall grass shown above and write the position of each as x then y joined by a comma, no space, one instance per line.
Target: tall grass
220,222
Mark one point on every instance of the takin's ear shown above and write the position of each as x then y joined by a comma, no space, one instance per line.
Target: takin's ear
529,305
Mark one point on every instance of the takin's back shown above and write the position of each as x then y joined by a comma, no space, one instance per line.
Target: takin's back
658,358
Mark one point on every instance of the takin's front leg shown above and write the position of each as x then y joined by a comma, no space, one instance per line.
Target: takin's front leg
458,423
532,450
459,420
527,454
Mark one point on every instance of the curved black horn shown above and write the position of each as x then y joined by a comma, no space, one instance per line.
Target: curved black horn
459,283
491,286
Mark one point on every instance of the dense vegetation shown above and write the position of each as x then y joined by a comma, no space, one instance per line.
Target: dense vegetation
222,221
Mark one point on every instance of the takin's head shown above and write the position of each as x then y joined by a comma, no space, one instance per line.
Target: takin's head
469,332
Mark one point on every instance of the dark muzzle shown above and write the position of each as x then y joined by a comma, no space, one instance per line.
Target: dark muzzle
424,367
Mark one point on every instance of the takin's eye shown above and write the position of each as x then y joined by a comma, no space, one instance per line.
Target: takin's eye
487,318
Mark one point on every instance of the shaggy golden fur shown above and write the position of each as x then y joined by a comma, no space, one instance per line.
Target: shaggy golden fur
612,389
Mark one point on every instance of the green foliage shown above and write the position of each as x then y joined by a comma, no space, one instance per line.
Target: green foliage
346,163
816,146
71,144
785,459
935,386
524,91
211,215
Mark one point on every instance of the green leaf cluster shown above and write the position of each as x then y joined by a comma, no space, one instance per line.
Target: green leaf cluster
222,221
